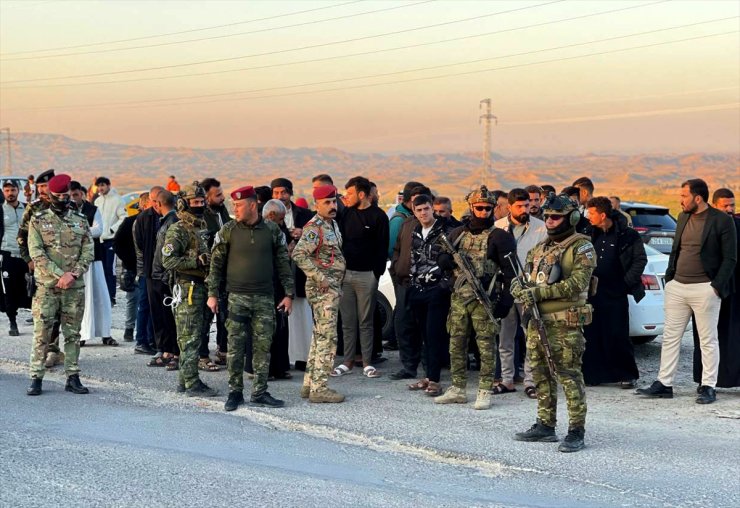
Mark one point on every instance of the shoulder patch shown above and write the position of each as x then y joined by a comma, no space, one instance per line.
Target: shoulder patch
586,247
167,249
312,236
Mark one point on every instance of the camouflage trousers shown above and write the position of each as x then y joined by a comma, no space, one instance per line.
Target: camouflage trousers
325,307
255,314
50,304
189,322
567,345
460,320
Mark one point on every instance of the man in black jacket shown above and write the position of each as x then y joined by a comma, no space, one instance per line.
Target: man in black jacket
700,273
123,245
609,357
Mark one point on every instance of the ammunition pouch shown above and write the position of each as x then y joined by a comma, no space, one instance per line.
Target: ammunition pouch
574,317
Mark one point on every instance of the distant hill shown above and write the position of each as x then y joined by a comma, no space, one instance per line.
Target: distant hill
131,167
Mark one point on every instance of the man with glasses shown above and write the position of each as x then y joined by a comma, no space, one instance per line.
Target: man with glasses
558,274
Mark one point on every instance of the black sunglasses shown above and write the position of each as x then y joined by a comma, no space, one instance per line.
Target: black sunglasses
553,216
482,208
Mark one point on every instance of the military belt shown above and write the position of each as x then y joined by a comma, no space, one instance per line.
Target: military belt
189,278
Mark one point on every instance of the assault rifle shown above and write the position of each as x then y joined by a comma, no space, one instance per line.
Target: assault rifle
536,317
469,273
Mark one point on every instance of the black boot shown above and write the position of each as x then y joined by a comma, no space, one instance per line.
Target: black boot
265,400
128,335
538,432
573,441
74,385
200,389
35,388
13,328
235,400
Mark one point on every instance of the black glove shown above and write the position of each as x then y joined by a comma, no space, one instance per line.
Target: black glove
445,261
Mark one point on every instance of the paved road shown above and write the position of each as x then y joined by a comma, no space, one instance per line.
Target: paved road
134,441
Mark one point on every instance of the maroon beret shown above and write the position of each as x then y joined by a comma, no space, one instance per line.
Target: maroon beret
324,192
243,193
60,184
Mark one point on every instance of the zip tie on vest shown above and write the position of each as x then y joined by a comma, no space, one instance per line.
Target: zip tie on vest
174,300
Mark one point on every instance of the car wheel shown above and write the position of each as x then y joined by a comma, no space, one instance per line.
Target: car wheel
386,316
644,339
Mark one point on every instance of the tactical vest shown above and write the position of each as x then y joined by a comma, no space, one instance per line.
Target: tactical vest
198,236
548,260
475,248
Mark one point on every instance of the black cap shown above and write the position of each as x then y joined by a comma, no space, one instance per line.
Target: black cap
282,182
10,183
45,176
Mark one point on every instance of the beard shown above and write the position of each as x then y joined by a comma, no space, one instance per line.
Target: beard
521,219
691,207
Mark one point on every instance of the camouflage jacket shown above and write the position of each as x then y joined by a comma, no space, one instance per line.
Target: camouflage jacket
59,244
183,243
35,206
319,253
222,246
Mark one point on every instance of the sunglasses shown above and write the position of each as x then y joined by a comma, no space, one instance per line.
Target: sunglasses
553,216
482,208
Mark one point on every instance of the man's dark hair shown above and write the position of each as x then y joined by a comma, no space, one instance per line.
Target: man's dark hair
166,199
75,185
533,189
407,190
697,187
423,199
570,191
722,193
617,198
443,200
373,184
419,190
323,178
360,183
584,183
498,194
264,193
144,195
102,179
83,189
209,183
518,195
31,177
547,189
601,203
172,176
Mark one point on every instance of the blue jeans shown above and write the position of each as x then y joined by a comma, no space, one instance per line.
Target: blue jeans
144,328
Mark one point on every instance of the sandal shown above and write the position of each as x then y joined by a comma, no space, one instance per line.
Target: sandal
207,365
419,385
159,361
500,389
174,363
433,389
220,358
370,371
531,392
110,341
340,370
282,375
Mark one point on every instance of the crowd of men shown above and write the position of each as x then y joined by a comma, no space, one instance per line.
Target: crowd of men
528,286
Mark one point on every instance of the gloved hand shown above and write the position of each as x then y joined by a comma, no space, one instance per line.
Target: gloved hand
516,288
203,260
530,296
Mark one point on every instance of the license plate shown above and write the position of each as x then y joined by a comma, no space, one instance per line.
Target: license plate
658,240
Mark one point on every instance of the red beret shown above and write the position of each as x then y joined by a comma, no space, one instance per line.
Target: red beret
60,184
243,193
324,192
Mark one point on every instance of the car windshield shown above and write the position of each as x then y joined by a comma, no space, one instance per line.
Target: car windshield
654,219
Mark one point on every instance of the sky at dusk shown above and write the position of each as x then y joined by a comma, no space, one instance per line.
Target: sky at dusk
376,76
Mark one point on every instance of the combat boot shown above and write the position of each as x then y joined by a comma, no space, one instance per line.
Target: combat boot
128,335
200,389
265,400
180,388
35,388
13,332
305,391
573,441
538,432
453,395
483,400
234,401
73,385
327,395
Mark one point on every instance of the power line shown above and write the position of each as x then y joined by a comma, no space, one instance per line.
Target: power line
213,37
188,64
160,102
156,36
324,59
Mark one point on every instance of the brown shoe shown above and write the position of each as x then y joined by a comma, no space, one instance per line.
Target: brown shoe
305,391
326,395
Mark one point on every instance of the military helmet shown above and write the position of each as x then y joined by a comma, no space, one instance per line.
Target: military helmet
562,205
481,195
192,191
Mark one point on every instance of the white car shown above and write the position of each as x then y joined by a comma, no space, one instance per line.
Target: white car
646,317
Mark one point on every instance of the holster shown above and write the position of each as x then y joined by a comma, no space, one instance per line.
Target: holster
30,285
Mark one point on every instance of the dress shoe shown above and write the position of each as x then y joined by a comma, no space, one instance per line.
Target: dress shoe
539,432
73,385
390,345
656,390
402,374
144,349
265,400
573,442
234,400
200,389
707,395
13,332
35,388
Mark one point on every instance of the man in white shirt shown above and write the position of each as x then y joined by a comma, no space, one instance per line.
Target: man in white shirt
112,209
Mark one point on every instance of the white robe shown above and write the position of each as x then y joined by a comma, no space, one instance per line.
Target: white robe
96,321
300,330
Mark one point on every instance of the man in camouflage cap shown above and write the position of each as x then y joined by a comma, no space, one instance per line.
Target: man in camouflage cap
246,252
61,249
319,254
185,253
558,274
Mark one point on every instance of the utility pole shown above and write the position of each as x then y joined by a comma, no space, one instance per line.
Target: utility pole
486,118
9,165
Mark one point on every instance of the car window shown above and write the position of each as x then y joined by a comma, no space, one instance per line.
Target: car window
651,251
654,219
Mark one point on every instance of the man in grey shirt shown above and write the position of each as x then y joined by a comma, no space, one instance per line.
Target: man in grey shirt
13,288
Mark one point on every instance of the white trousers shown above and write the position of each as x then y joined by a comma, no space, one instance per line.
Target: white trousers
680,301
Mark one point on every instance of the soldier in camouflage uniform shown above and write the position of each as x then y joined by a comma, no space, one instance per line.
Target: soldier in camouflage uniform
185,253
245,253
319,254
61,248
558,275
53,356
485,247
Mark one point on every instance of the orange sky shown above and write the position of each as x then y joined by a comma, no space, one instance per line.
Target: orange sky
626,76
